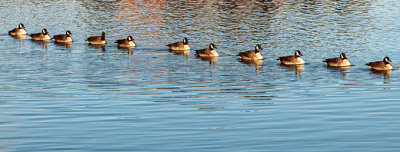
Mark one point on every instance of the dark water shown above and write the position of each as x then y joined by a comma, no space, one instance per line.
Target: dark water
83,98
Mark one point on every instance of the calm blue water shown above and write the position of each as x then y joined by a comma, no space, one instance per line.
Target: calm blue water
84,98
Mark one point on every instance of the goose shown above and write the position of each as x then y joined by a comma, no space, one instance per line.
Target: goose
210,52
252,54
340,61
97,39
18,31
128,42
44,36
179,46
63,37
381,65
292,59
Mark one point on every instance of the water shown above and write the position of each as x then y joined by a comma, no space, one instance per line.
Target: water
83,98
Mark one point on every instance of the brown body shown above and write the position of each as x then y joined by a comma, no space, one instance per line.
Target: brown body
340,61
207,52
293,59
63,37
18,31
44,36
97,39
381,65
179,46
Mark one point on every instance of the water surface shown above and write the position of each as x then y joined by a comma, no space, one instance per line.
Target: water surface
83,98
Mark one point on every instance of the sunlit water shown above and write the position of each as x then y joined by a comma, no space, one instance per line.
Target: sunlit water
84,98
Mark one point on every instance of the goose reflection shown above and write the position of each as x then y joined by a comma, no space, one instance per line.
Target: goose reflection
125,48
385,73
41,43
180,52
128,49
98,46
342,69
130,52
19,37
339,69
210,59
296,68
64,44
252,62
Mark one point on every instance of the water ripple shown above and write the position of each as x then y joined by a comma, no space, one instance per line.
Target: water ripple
78,97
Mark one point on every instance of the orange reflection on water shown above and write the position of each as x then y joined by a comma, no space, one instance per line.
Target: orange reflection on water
144,16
